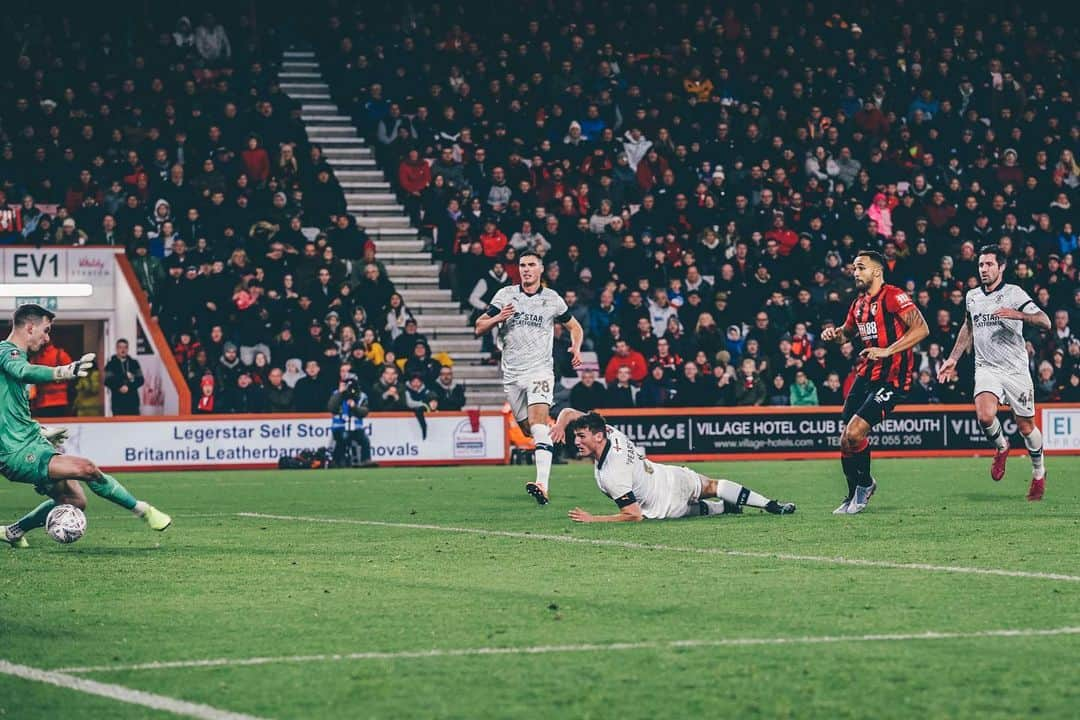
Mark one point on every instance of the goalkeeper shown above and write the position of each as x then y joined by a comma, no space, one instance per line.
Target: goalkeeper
28,452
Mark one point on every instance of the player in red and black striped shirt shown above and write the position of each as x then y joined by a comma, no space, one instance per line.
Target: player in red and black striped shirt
890,325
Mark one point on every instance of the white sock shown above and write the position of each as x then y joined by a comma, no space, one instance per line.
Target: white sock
1034,443
736,494
140,508
995,435
542,435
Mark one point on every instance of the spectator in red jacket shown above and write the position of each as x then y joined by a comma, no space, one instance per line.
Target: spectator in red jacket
784,236
51,399
626,356
493,240
256,161
414,176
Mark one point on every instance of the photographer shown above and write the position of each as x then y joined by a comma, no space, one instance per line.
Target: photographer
349,404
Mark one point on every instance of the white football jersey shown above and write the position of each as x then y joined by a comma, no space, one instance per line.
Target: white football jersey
624,474
999,343
526,338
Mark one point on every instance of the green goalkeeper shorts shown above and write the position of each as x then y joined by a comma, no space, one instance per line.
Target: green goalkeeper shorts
30,464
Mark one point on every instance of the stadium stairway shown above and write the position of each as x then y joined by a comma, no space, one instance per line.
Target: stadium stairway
373,203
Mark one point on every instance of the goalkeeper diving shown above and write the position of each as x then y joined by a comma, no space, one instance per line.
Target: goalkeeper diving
29,453
643,489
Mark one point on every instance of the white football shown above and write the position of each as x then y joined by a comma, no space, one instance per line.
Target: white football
65,523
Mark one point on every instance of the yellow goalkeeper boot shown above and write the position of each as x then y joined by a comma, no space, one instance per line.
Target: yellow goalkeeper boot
156,519
16,542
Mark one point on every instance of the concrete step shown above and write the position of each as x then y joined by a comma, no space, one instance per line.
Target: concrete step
371,198
299,76
309,95
353,163
403,258
376,221
418,282
422,295
316,132
448,332
319,109
484,384
314,120
403,246
446,320
456,345
350,158
360,182
338,141
391,232
294,54
436,307
290,87
408,273
485,372
468,359
376,210
305,65
348,148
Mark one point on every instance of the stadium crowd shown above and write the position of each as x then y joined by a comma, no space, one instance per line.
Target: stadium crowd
698,184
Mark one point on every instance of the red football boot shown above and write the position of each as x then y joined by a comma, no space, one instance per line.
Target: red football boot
997,470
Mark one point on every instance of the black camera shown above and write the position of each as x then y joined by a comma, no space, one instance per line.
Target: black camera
352,389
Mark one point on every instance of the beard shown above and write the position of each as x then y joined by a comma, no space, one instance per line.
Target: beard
861,286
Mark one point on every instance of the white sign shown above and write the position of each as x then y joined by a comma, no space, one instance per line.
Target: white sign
94,265
1061,428
209,442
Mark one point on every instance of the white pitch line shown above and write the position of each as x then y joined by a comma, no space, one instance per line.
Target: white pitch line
121,693
586,647
674,548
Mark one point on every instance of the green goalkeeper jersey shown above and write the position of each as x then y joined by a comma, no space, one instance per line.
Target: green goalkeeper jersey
17,428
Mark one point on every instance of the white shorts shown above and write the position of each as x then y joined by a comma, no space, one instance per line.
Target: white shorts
684,492
1015,390
523,393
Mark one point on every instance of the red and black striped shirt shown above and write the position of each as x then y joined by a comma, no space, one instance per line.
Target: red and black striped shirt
877,318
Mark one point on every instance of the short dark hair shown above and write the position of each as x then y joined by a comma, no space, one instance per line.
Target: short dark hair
531,253
873,255
30,314
996,251
122,340
590,422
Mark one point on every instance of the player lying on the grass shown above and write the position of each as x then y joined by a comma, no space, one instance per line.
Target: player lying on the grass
27,452
994,326
646,489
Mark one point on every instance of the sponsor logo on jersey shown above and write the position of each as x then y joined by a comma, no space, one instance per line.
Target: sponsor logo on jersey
527,319
868,330
985,320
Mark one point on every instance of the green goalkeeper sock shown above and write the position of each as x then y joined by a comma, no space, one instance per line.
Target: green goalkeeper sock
110,489
35,518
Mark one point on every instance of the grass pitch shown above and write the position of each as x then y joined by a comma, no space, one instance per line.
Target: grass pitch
424,607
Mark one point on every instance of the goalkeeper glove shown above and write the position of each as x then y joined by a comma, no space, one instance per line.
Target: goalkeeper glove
55,435
79,368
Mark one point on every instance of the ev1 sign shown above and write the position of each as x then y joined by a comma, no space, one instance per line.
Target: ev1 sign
35,266
1061,428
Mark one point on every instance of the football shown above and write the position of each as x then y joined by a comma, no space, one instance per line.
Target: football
65,523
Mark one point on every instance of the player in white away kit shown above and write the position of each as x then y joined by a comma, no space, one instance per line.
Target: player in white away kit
994,324
525,317
646,489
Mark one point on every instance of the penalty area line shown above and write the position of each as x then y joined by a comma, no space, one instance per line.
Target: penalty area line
120,693
582,648
628,545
